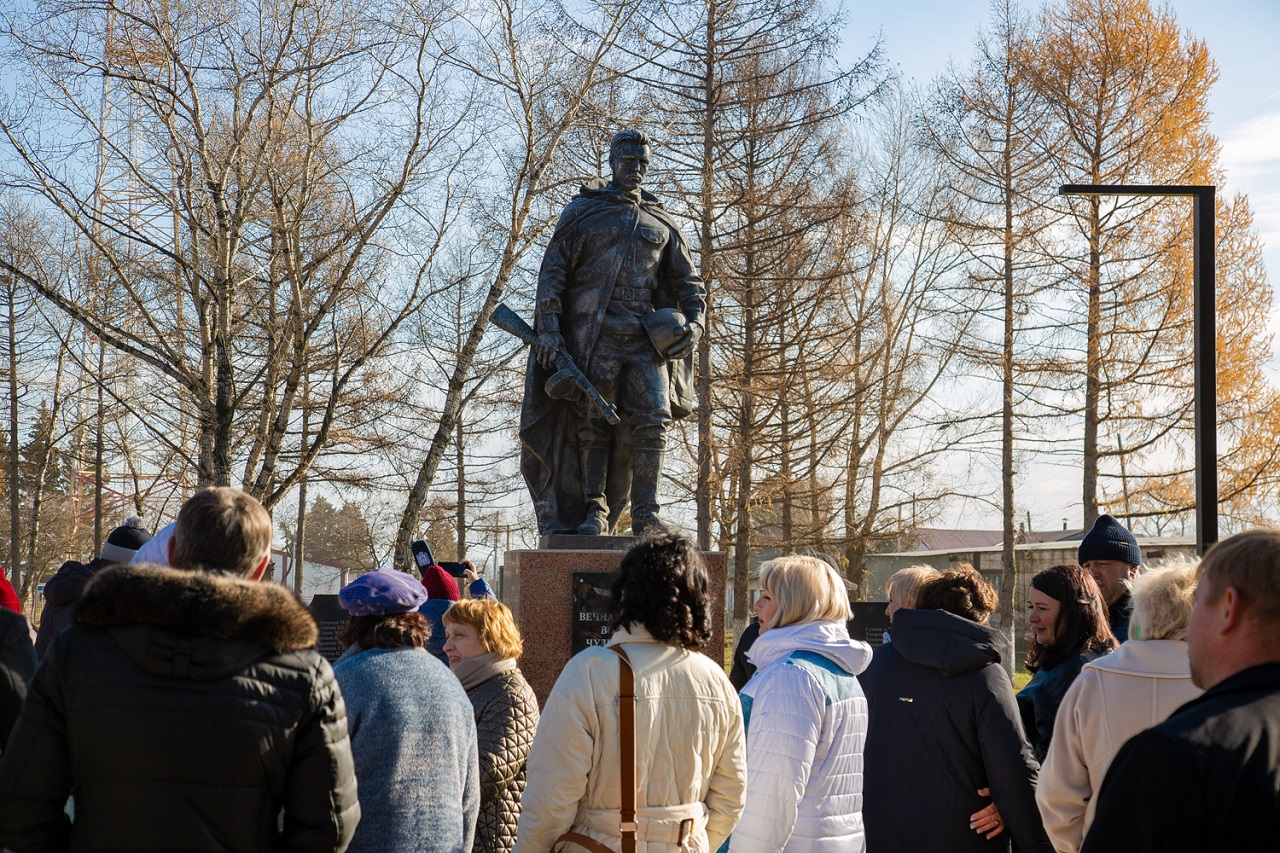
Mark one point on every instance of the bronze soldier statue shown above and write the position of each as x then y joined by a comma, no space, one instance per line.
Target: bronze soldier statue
617,290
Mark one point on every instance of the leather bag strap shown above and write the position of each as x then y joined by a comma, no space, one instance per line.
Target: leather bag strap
627,746
627,759
583,841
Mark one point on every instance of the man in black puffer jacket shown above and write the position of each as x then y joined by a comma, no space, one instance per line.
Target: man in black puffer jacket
185,710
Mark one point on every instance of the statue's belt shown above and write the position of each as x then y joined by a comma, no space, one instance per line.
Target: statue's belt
632,294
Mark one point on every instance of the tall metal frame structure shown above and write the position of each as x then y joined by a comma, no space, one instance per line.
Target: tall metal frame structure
131,194
134,177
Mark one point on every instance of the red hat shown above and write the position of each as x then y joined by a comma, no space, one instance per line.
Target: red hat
9,595
439,583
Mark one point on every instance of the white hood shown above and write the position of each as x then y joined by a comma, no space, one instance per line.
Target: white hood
1150,658
829,639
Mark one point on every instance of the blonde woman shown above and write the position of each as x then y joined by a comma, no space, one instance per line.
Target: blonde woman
1115,697
482,643
903,587
805,715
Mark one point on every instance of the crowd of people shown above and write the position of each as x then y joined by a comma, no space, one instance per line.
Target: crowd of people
181,704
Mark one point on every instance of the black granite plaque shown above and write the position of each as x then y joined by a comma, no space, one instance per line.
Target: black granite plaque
869,621
592,614
331,619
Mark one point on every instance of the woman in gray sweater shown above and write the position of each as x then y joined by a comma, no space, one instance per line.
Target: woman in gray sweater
412,734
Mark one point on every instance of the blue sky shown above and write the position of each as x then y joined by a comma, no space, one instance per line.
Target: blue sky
921,36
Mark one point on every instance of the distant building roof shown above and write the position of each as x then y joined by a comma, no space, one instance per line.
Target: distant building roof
1051,536
944,539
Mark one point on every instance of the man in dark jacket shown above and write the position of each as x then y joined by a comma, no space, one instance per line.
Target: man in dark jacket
1111,554
185,710
943,729
1208,778
63,590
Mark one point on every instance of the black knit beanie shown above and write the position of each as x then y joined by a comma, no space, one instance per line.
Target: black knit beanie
1109,540
125,541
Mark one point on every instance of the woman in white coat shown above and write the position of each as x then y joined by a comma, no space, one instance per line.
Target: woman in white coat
805,714
689,750
1115,697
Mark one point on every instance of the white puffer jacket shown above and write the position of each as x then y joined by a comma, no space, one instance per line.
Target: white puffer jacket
690,754
806,724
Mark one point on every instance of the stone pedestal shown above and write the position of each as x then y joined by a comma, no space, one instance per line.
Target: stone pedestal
539,591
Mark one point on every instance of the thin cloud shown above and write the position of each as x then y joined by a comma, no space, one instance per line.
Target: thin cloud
1250,147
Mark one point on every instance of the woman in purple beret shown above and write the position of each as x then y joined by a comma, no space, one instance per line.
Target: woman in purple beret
412,732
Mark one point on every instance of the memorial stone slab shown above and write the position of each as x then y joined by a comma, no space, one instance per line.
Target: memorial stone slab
558,615
331,619
869,622
592,615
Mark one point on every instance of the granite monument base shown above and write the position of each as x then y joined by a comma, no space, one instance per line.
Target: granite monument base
540,590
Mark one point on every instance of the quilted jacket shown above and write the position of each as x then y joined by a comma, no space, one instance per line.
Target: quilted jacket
188,711
506,721
690,755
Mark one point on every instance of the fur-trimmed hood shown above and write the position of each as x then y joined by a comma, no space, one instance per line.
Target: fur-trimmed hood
201,623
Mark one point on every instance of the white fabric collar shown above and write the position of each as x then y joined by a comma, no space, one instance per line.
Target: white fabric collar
1155,658
631,633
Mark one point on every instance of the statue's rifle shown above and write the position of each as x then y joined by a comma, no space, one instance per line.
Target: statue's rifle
508,321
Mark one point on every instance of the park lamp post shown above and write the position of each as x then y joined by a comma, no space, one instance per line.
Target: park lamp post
1206,384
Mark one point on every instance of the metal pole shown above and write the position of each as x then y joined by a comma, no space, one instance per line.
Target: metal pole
1206,370
1203,276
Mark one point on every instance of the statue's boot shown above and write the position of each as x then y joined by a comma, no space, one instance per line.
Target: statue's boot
595,470
646,469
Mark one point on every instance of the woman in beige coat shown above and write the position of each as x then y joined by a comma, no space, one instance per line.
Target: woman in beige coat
1114,698
689,749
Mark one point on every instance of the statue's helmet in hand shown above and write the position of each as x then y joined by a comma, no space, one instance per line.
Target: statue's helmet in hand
668,329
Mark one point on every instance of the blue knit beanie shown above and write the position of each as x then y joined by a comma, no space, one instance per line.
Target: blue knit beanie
1109,540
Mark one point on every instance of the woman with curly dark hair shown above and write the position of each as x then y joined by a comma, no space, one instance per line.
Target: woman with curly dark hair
1069,627
689,756
413,736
